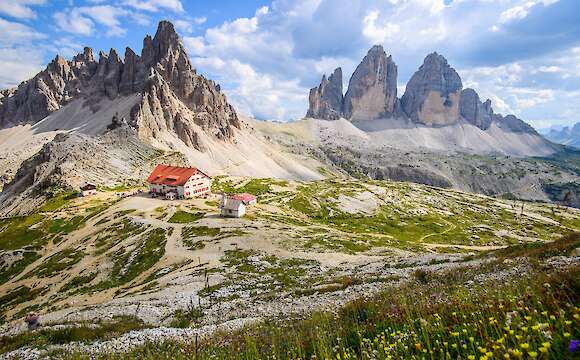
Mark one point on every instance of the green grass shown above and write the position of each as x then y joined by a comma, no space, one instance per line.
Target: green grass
184,217
58,201
437,316
127,265
8,272
16,233
58,262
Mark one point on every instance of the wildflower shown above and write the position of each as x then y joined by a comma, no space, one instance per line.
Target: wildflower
525,346
517,353
567,334
574,345
544,350
533,354
471,357
546,344
418,346
456,334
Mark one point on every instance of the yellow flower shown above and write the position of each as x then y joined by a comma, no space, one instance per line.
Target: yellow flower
543,350
533,354
517,353
471,339
546,344
568,322
506,356
567,334
524,328
471,357
525,346
455,334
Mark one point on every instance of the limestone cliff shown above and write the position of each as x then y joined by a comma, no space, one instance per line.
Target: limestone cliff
372,89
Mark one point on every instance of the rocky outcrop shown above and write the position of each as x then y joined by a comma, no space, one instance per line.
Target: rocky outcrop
372,89
325,101
474,111
163,75
512,123
432,95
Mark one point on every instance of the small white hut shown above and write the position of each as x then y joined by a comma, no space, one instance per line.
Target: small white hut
88,189
232,207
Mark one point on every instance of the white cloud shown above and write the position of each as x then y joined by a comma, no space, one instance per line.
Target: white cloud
156,5
20,9
14,33
194,45
19,58
378,33
522,10
74,22
199,20
81,20
187,26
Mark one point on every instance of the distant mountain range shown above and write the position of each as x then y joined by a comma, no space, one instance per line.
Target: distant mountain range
434,98
568,135
108,119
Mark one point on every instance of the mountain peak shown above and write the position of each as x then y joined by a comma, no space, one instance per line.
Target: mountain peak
432,94
188,100
372,89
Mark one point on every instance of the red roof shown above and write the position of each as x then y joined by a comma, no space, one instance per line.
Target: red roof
171,175
245,197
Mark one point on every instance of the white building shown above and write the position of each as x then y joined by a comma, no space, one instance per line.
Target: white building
184,182
232,207
88,189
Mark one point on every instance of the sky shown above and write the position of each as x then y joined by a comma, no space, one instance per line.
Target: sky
524,55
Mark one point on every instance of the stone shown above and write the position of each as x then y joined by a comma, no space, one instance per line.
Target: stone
433,93
372,89
325,101
474,111
173,96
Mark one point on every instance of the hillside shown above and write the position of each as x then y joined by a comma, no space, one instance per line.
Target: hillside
106,257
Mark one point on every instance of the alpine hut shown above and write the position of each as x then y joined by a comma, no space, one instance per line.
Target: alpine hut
184,182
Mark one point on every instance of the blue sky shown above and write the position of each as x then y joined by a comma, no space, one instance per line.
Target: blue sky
522,54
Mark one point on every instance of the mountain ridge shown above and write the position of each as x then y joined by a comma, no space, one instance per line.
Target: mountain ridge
162,74
434,96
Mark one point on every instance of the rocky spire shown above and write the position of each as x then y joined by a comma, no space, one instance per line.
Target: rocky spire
432,94
325,101
162,75
474,111
372,89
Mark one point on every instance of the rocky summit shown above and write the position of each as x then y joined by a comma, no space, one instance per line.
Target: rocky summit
326,99
372,90
434,96
173,96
